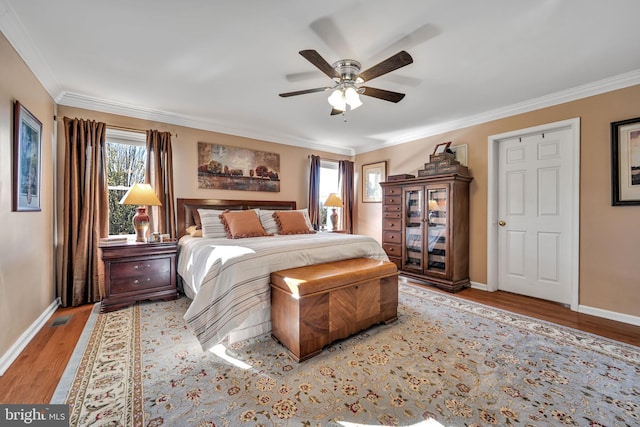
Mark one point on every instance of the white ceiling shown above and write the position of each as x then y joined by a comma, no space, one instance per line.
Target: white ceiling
219,65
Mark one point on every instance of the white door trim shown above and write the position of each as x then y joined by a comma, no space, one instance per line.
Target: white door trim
492,202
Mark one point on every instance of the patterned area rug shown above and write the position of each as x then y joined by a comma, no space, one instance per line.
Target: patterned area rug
446,361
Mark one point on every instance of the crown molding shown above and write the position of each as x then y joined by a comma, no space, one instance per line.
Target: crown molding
113,107
620,81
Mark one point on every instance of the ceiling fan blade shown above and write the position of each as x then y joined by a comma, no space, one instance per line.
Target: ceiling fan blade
302,92
335,112
386,95
409,40
302,76
327,30
320,63
394,62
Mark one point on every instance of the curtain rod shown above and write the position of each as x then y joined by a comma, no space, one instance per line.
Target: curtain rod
59,119
324,158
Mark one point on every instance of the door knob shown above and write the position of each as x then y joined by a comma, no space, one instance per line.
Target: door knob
502,223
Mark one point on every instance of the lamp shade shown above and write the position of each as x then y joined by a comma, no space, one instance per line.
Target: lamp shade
337,100
433,205
333,201
343,96
141,195
352,98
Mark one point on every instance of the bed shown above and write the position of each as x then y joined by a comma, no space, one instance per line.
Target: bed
228,279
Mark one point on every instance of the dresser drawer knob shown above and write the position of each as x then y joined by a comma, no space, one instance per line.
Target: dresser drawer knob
137,267
138,281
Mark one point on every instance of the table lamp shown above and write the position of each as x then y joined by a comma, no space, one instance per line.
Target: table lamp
333,201
143,196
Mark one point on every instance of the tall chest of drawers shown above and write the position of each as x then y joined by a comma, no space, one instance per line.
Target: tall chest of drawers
392,223
425,228
138,271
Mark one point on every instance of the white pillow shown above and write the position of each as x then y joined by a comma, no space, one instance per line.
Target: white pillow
212,226
269,222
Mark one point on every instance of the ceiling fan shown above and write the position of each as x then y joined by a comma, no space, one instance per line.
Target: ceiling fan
347,77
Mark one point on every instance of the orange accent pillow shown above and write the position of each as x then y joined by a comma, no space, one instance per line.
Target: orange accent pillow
291,222
241,224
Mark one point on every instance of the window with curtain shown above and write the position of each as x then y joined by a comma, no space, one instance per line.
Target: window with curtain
126,164
329,183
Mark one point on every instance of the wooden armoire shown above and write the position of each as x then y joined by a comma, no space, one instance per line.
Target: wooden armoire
425,228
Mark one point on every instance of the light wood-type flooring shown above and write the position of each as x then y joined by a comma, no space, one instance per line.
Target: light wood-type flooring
33,377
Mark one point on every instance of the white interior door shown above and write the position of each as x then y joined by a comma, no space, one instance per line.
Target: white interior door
534,215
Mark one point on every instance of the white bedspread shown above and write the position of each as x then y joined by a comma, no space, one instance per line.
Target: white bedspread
228,279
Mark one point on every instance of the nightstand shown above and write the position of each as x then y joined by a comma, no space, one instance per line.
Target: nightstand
138,271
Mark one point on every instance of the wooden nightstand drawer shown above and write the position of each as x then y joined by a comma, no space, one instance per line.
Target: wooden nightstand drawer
137,272
140,274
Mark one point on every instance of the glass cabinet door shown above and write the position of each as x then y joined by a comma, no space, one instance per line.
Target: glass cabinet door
437,199
413,228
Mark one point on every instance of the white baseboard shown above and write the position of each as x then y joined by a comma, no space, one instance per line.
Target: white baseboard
477,285
611,315
14,351
598,312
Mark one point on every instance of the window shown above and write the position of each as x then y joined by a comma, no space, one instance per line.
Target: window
328,184
126,158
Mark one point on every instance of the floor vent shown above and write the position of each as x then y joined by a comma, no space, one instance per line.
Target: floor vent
58,321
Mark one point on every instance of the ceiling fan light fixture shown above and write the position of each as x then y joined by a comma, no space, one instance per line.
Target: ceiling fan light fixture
352,97
347,76
337,100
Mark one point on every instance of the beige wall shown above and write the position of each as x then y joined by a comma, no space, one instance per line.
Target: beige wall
26,238
294,161
609,236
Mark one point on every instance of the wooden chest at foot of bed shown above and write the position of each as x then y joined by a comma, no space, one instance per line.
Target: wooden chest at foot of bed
315,305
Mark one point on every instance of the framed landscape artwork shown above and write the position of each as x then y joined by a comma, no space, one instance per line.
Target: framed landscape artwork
625,162
372,175
27,162
235,168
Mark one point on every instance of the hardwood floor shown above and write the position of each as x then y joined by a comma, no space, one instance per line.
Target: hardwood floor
34,376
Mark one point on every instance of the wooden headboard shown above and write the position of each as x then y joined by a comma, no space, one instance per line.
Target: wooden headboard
186,206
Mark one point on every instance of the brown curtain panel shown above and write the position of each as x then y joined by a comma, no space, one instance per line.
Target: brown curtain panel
314,192
159,174
85,212
346,179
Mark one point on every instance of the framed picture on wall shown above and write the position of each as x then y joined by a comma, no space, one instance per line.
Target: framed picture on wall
625,162
372,175
27,162
441,148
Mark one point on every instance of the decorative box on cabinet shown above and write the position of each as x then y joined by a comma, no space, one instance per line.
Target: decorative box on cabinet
433,223
138,271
